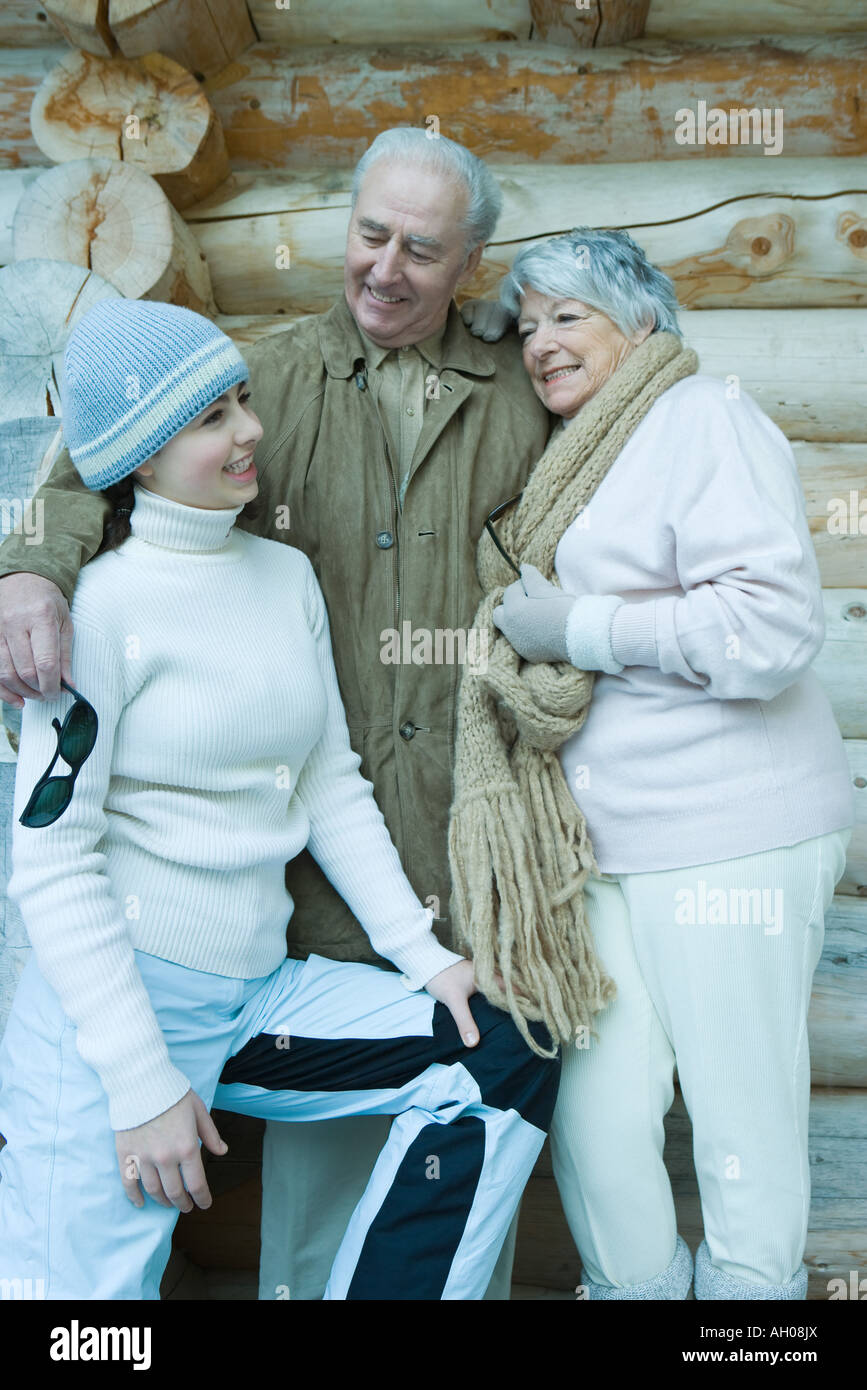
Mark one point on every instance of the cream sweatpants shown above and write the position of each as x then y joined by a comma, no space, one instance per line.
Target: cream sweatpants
714,967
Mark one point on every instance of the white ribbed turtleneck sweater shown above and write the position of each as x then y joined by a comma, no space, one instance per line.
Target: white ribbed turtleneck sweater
222,752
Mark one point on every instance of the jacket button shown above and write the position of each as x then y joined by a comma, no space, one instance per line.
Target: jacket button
384,540
407,730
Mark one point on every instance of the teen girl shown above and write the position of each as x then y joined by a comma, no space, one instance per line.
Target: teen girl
150,876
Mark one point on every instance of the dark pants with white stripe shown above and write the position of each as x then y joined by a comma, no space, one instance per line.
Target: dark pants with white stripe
316,1039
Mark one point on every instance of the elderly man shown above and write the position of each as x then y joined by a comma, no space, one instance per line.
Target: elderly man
389,435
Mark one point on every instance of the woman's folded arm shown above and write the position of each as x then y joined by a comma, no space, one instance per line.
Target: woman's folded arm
750,621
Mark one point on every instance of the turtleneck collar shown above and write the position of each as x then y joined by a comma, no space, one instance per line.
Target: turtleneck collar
176,526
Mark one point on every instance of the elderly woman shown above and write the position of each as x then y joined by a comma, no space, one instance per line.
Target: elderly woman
690,822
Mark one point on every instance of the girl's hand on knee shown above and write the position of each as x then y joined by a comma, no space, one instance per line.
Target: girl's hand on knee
163,1155
453,987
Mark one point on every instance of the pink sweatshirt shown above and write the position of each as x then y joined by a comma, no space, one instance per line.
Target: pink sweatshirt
716,739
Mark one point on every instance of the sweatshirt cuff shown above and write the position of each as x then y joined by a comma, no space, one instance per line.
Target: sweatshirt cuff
588,633
633,634
422,960
161,1088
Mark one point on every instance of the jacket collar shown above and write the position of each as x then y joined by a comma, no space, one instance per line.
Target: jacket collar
341,343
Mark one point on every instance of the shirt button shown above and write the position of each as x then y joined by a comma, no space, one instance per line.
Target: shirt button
409,410
407,730
384,540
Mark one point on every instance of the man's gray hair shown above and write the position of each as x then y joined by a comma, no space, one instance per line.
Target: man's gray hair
412,145
604,270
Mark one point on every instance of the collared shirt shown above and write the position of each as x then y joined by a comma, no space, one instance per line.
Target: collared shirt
398,379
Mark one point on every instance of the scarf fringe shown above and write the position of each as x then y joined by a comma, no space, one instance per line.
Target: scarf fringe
543,951
519,849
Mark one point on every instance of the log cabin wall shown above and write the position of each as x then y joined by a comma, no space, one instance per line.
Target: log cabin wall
586,119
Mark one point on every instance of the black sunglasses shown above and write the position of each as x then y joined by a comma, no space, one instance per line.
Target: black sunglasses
76,737
489,527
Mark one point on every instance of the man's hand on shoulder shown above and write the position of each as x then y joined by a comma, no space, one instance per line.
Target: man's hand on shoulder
35,639
486,319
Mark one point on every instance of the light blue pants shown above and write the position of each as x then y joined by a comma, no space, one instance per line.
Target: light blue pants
714,967
315,1039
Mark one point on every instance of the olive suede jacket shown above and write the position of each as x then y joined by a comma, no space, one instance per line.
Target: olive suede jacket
328,485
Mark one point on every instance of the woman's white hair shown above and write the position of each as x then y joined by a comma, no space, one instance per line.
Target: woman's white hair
412,145
603,269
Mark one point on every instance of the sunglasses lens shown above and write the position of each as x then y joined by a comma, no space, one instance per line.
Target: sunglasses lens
50,802
78,737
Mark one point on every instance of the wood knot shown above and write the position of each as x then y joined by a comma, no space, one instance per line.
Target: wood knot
858,237
760,246
860,782
855,610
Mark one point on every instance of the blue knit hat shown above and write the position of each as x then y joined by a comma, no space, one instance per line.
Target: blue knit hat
136,371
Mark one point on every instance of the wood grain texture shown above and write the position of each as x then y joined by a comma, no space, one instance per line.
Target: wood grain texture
854,881
838,1004
842,663
588,25
84,24
109,217
23,23
711,19
390,21
834,480
301,107
506,102
201,35
149,112
741,234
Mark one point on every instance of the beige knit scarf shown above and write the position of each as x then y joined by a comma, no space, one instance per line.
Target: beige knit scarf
518,843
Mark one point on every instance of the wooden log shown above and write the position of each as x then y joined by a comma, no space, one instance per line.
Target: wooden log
12,184
732,243
842,663
511,102
25,444
838,1004
586,24
24,24
854,881
406,21
390,21
84,24
149,112
202,35
301,107
712,19
40,303
113,219
21,71
833,478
